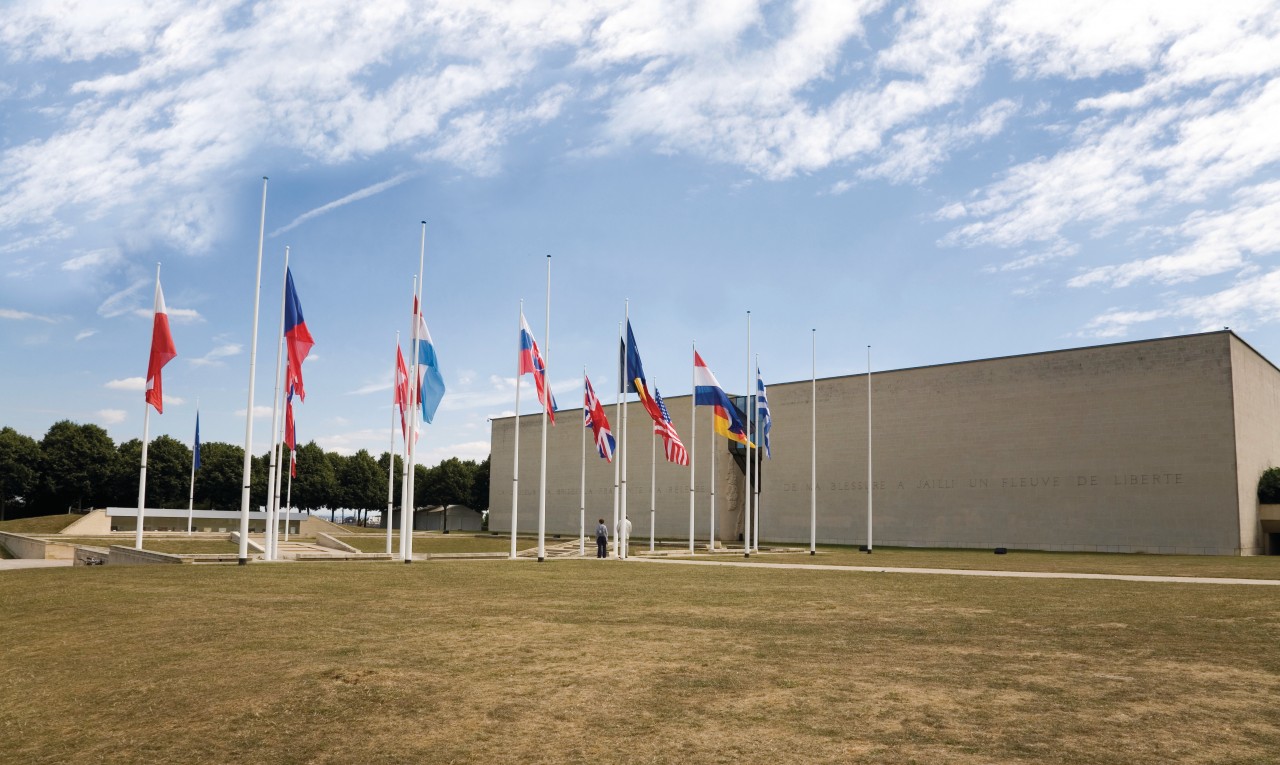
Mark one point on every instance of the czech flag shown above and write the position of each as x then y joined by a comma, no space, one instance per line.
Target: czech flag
297,337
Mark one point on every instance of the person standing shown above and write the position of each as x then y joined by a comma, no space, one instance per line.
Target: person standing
602,539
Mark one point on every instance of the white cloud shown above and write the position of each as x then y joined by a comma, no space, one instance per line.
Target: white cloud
215,355
15,315
85,334
259,412
112,416
355,196
107,257
137,384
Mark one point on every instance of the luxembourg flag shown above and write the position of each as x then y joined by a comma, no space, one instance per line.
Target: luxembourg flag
707,392
162,351
431,382
297,337
593,417
531,362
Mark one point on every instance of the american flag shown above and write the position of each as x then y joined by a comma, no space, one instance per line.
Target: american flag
593,417
674,447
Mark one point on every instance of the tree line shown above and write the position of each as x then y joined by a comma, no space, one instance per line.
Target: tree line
79,467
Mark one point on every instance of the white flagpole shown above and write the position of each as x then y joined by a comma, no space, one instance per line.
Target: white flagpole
191,495
515,471
142,475
546,387
755,459
582,488
243,557
617,451
693,442
653,479
275,502
746,509
268,533
711,536
624,547
417,410
391,449
869,450
813,445
406,505
288,497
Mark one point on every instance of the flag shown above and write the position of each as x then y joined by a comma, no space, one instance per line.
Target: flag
707,392
593,417
671,440
633,374
297,337
402,392
762,409
531,362
430,381
162,351
290,433
196,453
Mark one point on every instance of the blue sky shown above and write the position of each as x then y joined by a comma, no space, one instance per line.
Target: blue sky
941,180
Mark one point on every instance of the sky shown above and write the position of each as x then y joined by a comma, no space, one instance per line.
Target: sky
942,181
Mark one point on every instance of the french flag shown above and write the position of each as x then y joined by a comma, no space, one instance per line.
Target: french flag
531,362
297,337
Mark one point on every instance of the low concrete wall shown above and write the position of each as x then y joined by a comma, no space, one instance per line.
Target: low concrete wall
235,537
325,540
35,548
95,524
91,556
313,525
348,556
129,556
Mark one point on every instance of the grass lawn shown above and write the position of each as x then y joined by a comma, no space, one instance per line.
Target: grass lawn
605,661
441,543
44,524
1250,567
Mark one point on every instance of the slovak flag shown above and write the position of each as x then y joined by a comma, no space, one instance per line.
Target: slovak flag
297,338
531,362
162,351
593,417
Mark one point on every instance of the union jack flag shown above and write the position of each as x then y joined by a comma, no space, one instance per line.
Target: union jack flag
593,417
674,446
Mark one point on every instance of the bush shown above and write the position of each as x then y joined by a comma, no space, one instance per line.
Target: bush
1269,486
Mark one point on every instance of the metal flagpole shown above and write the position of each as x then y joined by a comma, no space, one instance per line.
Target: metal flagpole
617,452
582,487
711,536
624,541
653,479
515,471
869,450
546,405
755,461
146,424
407,531
406,507
746,517
813,445
243,557
391,449
693,442
288,497
268,535
191,496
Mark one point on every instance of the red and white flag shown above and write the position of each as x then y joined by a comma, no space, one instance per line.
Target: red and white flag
671,440
162,351
403,393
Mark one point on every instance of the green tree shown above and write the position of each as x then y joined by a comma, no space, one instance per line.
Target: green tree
19,472
1269,486
221,476
75,466
479,499
316,484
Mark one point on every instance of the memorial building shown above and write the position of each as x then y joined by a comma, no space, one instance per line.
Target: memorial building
1153,446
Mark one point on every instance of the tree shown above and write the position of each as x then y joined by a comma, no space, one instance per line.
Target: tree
316,484
1269,486
19,472
75,466
362,486
396,483
220,479
479,499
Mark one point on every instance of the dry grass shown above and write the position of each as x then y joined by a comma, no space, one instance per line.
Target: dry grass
602,661
1251,567
44,524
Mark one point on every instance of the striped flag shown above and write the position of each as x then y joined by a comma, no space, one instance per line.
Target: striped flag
762,410
593,417
674,446
531,362
707,392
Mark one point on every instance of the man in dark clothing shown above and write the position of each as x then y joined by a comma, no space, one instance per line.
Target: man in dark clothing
602,539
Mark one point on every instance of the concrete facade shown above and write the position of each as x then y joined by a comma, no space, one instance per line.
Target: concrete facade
1153,446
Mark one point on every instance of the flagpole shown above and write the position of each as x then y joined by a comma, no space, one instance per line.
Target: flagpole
755,461
288,496
546,405
813,444
391,448
624,539
515,471
272,477
653,479
746,518
693,444
617,452
582,488
243,558
146,423
711,536
191,495
869,547
407,532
